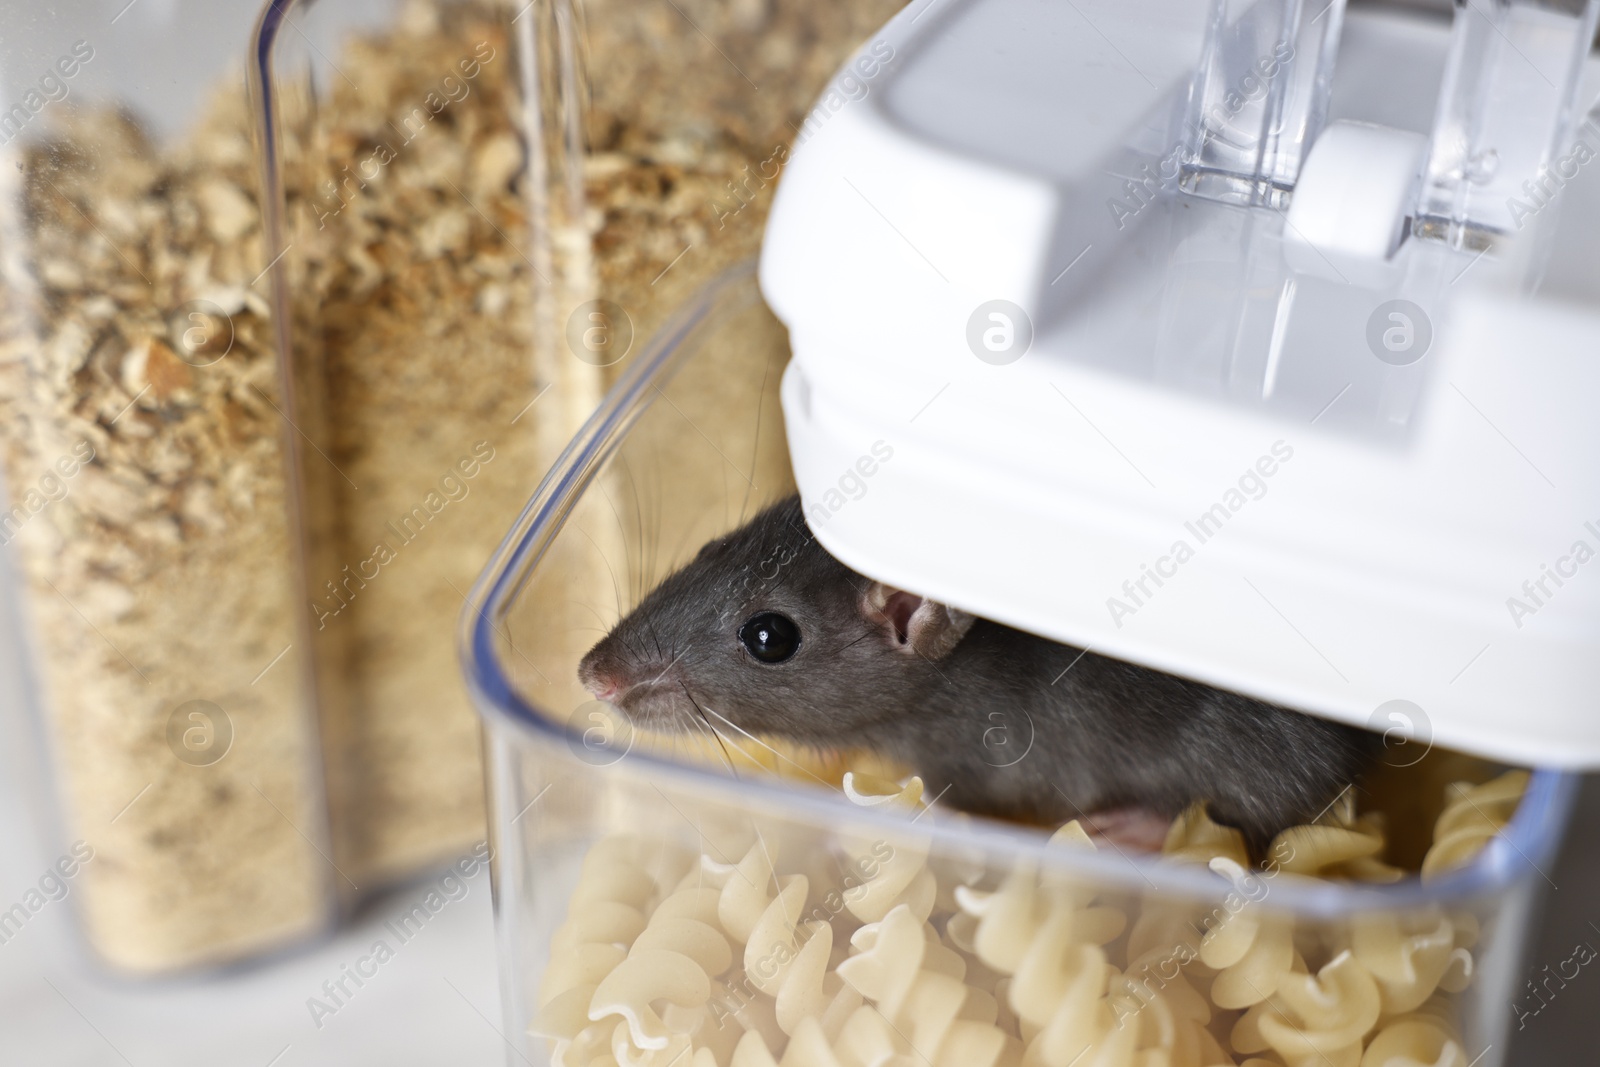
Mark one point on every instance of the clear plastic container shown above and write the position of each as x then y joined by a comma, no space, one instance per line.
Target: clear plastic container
152,520
482,210
657,899
399,184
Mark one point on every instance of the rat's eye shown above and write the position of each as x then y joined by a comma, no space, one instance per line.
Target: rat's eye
770,637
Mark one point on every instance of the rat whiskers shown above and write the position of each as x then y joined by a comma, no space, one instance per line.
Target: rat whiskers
714,731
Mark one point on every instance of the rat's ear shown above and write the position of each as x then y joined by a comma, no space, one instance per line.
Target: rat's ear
917,625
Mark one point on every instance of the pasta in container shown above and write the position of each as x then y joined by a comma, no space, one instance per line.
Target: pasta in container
725,901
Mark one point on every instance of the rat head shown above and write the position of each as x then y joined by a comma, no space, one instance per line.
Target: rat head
765,631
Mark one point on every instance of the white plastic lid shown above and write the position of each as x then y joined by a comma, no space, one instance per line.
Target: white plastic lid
1202,336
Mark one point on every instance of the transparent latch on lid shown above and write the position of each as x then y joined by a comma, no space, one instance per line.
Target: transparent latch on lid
1505,118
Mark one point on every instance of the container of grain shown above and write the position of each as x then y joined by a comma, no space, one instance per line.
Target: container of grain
483,210
714,899
151,521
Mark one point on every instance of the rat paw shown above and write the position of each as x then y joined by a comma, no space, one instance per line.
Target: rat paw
1135,829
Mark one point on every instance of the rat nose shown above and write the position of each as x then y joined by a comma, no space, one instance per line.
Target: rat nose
604,684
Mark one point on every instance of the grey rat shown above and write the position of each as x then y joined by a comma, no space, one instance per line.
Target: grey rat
767,631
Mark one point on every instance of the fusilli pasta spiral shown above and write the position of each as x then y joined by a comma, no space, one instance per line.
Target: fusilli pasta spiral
1414,1041
902,876
1472,816
1252,955
915,992
1314,1019
1338,845
1407,956
1195,836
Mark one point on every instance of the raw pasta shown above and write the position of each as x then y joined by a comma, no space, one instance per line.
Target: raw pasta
902,878
615,889
916,990
1340,845
1193,835
1252,956
760,950
1472,816
1407,956
1320,1018
1415,1041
